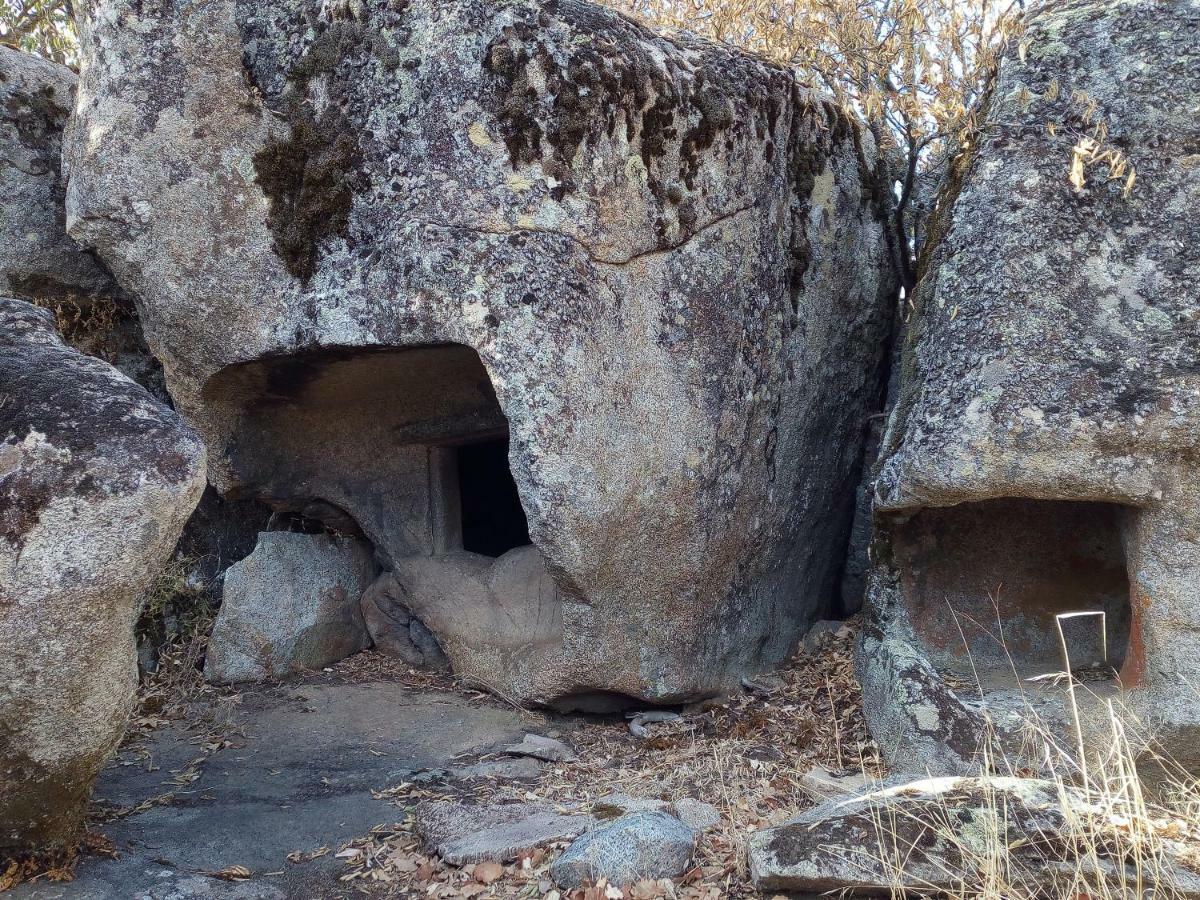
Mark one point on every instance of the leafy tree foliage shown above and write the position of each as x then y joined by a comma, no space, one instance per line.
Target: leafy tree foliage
45,27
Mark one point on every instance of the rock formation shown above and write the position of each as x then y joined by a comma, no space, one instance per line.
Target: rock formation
291,605
1041,457
41,264
935,835
96,482
390,252
38,261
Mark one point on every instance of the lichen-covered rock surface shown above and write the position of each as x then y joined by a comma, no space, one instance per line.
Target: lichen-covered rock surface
938,834
96,482
915,717
658,264
37,259
1041,458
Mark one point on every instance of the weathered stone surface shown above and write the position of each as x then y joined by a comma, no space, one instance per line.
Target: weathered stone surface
463,833
523,769
365,235
96,481
290,606
395,630
638,845
921,726
37,259
1041,457
942,834
544,748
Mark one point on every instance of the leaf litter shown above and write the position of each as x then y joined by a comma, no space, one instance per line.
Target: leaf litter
745,755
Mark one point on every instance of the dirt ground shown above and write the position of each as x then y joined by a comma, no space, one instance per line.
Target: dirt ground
303,789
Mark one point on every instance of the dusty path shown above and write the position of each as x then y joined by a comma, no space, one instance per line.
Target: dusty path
277,780
296,774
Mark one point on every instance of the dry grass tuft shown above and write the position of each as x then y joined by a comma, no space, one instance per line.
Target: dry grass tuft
85,324
1117,841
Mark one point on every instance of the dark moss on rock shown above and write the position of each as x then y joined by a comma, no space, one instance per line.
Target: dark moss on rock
309,178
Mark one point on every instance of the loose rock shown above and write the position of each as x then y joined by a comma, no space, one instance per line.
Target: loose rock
544,748
693,813
291,605
462,833
502,769
638,845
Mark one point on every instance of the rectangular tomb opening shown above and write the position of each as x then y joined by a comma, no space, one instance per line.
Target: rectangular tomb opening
984,583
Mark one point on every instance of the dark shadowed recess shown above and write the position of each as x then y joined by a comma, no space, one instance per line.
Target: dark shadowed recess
407,446
493,521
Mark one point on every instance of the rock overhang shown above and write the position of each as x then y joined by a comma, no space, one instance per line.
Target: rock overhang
657,248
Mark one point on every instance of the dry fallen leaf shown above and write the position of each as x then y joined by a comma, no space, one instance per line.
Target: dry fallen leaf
487,872
231,873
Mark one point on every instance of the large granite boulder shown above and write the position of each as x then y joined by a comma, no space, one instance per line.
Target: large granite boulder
37,259
473,275
290,606
1041,458
96,482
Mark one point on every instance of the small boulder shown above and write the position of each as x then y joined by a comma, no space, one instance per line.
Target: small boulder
395,630
543,748
291,605
647,844
463,833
